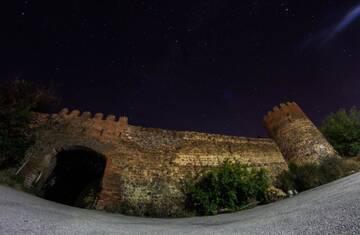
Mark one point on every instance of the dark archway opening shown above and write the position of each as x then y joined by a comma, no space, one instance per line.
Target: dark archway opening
76,179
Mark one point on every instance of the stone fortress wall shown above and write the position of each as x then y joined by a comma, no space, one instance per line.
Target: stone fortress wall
149,164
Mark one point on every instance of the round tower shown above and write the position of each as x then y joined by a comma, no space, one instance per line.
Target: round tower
297,137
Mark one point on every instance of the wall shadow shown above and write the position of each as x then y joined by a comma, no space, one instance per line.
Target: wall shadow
76,179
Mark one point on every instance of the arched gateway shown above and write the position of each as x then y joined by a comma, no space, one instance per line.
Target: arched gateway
76,178
71,158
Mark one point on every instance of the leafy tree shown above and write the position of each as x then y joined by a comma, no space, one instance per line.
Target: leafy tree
342,130
18,100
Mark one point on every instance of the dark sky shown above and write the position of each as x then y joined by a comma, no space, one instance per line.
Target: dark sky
214,66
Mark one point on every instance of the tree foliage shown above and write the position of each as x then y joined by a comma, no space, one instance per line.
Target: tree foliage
18,100
342,130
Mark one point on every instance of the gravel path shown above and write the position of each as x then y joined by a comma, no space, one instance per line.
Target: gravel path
331,209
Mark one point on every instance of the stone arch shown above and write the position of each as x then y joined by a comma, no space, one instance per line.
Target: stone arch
74,174
41,162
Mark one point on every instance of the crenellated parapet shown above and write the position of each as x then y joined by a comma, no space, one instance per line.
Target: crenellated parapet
297,137
67,114
97,125
283,113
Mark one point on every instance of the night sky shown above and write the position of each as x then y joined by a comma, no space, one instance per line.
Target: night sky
213,66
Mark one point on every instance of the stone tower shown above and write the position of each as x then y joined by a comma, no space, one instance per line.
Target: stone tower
297,137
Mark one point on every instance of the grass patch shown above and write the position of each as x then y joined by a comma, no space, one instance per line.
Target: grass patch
8,178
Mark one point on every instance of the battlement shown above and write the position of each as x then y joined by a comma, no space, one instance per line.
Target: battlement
285,112
97,125
67,114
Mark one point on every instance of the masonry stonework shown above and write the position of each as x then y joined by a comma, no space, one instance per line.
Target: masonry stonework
297,137
148,165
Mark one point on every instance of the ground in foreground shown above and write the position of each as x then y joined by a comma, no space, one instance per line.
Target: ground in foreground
330,209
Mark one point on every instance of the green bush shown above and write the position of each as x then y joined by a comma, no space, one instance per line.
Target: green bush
342,130
310,175
230,187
